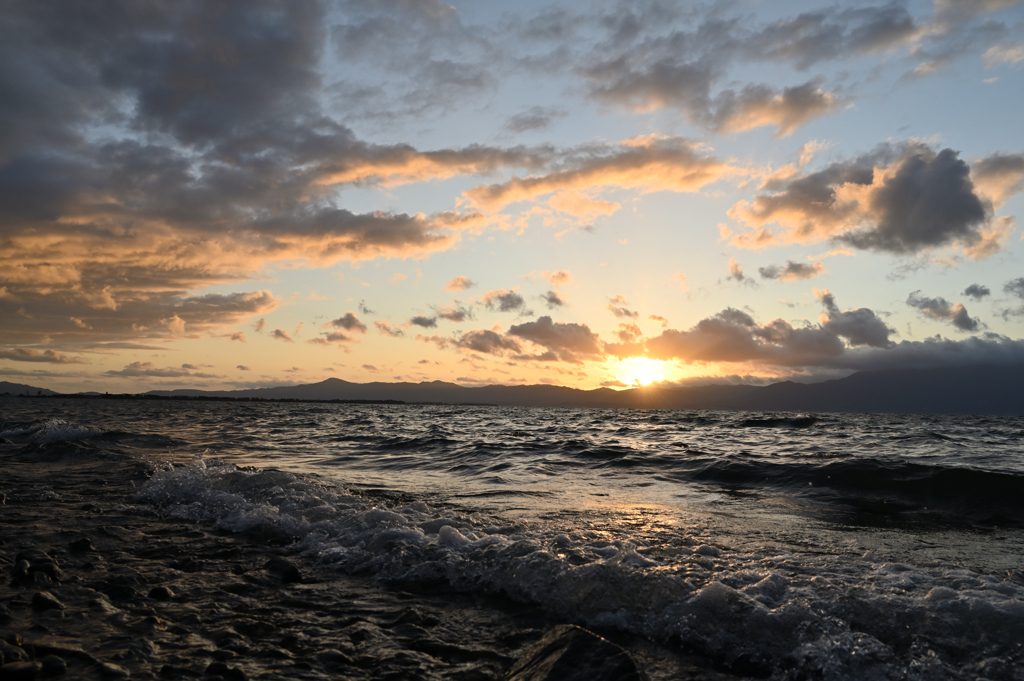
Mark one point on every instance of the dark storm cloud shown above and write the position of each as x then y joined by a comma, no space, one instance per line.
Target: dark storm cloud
897,199
859,327
216,156
977,291
940,308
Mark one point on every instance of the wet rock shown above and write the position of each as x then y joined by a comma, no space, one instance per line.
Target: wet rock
571,653
5,615
20,671
53,665
81,545
109,670
20,570
334,659
222,670
161,593
285,570
44,600
35,557
9,653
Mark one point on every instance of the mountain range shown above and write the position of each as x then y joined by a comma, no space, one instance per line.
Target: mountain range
997,390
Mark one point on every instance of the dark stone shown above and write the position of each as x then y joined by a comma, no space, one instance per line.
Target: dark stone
53,665
20,671
284,569
224,671
187,564
571,653
81,545
9,653
20,569
161,593
35,557
5,614
44,600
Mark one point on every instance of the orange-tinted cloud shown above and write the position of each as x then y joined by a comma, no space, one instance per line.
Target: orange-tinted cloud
647,164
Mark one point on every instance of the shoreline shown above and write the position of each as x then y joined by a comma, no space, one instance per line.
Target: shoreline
128,593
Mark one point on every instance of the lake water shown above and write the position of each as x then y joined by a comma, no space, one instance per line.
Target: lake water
792,546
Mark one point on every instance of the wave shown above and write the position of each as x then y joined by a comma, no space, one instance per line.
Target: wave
834,618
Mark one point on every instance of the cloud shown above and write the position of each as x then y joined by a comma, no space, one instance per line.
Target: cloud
793,271
900,200
557,279
487,342
48,356
534,118
647,164
1004,53
281,334
385,329
349,322
859,327
570,342
736,273
425,322
459,284
1015,287
150,370
553,300
977,291
454,314
504,301
733,336
658,318
999,176
623,312
939,308
238,336
242,367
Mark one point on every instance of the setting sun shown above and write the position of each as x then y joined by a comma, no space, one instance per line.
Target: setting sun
641,371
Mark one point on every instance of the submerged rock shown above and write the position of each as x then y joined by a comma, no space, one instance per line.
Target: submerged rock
285,570
571,653
44,600
19,671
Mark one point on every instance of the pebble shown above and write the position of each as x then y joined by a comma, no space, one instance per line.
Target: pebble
571,653
284,569
19,671
44,600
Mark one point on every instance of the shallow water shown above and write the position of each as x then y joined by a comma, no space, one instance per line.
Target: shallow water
788,545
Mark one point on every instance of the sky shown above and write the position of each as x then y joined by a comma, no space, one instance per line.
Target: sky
229,195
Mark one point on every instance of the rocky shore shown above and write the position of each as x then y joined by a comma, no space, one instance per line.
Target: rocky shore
97,587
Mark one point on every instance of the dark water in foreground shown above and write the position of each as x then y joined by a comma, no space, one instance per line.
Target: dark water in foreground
792,546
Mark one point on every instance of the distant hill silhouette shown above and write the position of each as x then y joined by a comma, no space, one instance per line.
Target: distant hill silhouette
960,390
7,388
997,390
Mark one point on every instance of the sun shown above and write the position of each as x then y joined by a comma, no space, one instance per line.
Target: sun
637,371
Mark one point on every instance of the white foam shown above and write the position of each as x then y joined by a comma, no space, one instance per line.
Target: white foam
838,617
51,430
